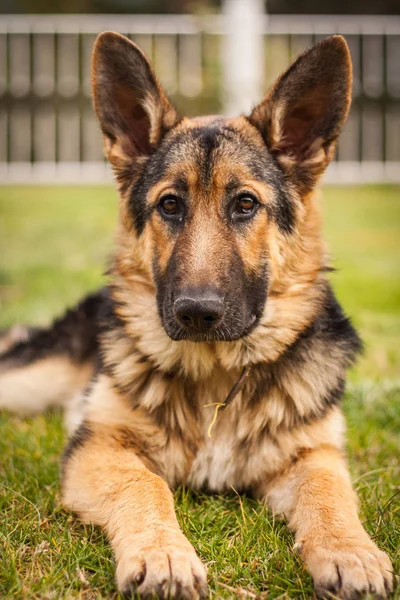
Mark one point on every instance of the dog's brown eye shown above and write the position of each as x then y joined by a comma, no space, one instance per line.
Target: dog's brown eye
171,207
245,204
244,207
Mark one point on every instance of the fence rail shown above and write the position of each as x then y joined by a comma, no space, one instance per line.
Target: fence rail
48,130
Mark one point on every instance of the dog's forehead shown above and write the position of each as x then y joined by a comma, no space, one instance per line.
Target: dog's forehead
209,150
203,156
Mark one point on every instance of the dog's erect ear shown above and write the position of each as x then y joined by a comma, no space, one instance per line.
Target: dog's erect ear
301,116
130,104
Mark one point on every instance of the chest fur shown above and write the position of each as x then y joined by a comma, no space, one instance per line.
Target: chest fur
253,437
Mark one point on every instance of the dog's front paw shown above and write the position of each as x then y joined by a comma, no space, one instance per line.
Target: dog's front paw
348,569
165,570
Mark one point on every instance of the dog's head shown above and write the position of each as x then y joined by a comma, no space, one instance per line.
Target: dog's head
210,201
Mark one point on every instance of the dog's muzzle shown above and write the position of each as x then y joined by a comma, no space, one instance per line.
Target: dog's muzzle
199,310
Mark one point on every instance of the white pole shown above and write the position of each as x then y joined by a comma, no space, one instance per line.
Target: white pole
242,54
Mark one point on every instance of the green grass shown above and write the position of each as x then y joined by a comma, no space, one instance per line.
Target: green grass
54,243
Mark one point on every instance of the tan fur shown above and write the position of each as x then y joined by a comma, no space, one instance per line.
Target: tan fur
49,382
144,534
218,462
316,495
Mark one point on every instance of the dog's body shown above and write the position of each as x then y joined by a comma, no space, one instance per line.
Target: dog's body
218,313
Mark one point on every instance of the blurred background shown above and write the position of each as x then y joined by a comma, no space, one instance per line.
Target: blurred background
210,56
57,206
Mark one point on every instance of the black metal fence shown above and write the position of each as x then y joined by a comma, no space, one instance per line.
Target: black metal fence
48,130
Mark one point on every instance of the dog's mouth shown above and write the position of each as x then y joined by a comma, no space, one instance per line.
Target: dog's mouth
207,314
220,332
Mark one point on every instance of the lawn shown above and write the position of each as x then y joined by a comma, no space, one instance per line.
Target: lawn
54,244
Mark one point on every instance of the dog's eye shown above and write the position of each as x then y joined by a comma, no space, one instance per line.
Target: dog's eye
244,207
171,207
245,204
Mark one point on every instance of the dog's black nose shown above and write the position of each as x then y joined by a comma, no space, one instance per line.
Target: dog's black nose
199,310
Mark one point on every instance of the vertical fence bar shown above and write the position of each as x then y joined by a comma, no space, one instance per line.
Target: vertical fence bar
4,154
393,66
242,54
45,105
277,57
86,50
360,106
43,65
68,91
43,88
348,146
19,86
166,61
189,65
3,64
19,64
373,67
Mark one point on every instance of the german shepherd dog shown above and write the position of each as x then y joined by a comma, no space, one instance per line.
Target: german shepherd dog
216,355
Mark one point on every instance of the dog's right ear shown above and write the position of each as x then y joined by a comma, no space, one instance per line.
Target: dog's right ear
301,116
130,104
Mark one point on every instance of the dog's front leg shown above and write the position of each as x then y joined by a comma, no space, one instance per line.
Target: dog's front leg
317,497
109,485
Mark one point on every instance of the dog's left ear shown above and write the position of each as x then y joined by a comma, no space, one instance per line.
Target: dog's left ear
133,111
302,115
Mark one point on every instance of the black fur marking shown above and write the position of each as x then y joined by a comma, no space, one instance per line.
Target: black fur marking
144,359
151,174
165,417
108,319
181,186
334,396
334,329
75,442
266,168
244,299
141,385
337,327
75,335
284,213
256,289
209,140
128,439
